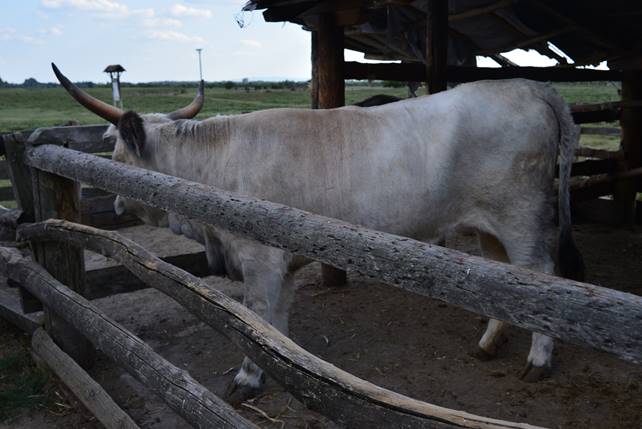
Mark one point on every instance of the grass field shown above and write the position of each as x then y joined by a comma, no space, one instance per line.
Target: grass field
30,108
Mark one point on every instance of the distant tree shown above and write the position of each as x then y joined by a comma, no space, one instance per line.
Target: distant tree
229,84
30,83
3,84
393,84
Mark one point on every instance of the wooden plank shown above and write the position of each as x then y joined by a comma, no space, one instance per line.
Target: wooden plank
90,393
415,72
592,167
575,312
85,138
598,153
631,145
596,112
56,197
601,131
98,211
342,397
197,405
11,311
436,45
604,184
114,280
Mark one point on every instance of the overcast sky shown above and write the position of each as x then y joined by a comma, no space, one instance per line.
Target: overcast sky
155,40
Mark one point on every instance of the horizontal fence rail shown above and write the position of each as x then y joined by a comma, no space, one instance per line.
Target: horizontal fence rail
176,387
575,312
337,394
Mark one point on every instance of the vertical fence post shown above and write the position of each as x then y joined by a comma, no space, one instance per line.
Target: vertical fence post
328,64
57,197
631,145
20,176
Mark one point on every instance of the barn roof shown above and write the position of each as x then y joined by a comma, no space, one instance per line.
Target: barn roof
114,68
588,31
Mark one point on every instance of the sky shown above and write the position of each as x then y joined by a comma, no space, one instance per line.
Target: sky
156,40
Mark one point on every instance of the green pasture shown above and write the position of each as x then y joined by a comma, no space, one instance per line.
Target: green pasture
22,108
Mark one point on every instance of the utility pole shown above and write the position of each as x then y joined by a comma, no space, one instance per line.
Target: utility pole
200,65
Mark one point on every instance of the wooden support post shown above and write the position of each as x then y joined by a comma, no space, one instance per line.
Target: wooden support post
631,145
327,61
55,197
330,63
20,176
436,45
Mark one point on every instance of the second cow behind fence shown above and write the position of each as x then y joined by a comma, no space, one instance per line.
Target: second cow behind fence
479,156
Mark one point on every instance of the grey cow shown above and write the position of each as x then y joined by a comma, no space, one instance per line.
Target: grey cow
481,156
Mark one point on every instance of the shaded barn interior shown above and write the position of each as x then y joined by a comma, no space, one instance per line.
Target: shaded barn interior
437,41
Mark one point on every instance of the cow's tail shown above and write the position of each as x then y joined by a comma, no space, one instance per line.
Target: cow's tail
569,260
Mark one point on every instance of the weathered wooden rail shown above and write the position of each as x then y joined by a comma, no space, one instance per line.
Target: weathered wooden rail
339,395
175,386
611,320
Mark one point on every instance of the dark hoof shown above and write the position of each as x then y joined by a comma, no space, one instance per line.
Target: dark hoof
482,355
532,373
236,394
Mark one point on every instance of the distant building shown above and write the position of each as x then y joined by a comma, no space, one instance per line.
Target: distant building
114,71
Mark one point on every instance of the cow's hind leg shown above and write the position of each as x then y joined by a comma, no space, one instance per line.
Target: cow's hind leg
269,291
533,251
491,248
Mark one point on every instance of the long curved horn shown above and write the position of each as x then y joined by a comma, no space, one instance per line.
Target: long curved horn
192,109
102,109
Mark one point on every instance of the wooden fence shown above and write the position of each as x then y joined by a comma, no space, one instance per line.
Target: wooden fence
48,178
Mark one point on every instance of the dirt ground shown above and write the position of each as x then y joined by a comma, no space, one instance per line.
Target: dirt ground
407,343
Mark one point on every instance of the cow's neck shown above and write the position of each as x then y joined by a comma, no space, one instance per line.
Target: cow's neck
188,148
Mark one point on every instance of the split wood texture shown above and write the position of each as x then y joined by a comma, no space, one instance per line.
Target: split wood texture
575,312
90,393
337,394
176,387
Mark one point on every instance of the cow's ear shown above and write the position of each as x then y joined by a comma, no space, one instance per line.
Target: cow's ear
131,129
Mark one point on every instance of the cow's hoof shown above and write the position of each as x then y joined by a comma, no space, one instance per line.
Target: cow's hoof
483,355
237,393
532,373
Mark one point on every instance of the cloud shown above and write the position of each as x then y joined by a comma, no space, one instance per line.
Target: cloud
174,36
182,10
252,43
52,3
8,34
56,30
162,22
104,7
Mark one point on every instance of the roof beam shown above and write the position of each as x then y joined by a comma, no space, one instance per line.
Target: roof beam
582,31
415,72
482,10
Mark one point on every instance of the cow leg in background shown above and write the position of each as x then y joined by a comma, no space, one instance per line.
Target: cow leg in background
269,292
532,248
491,248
